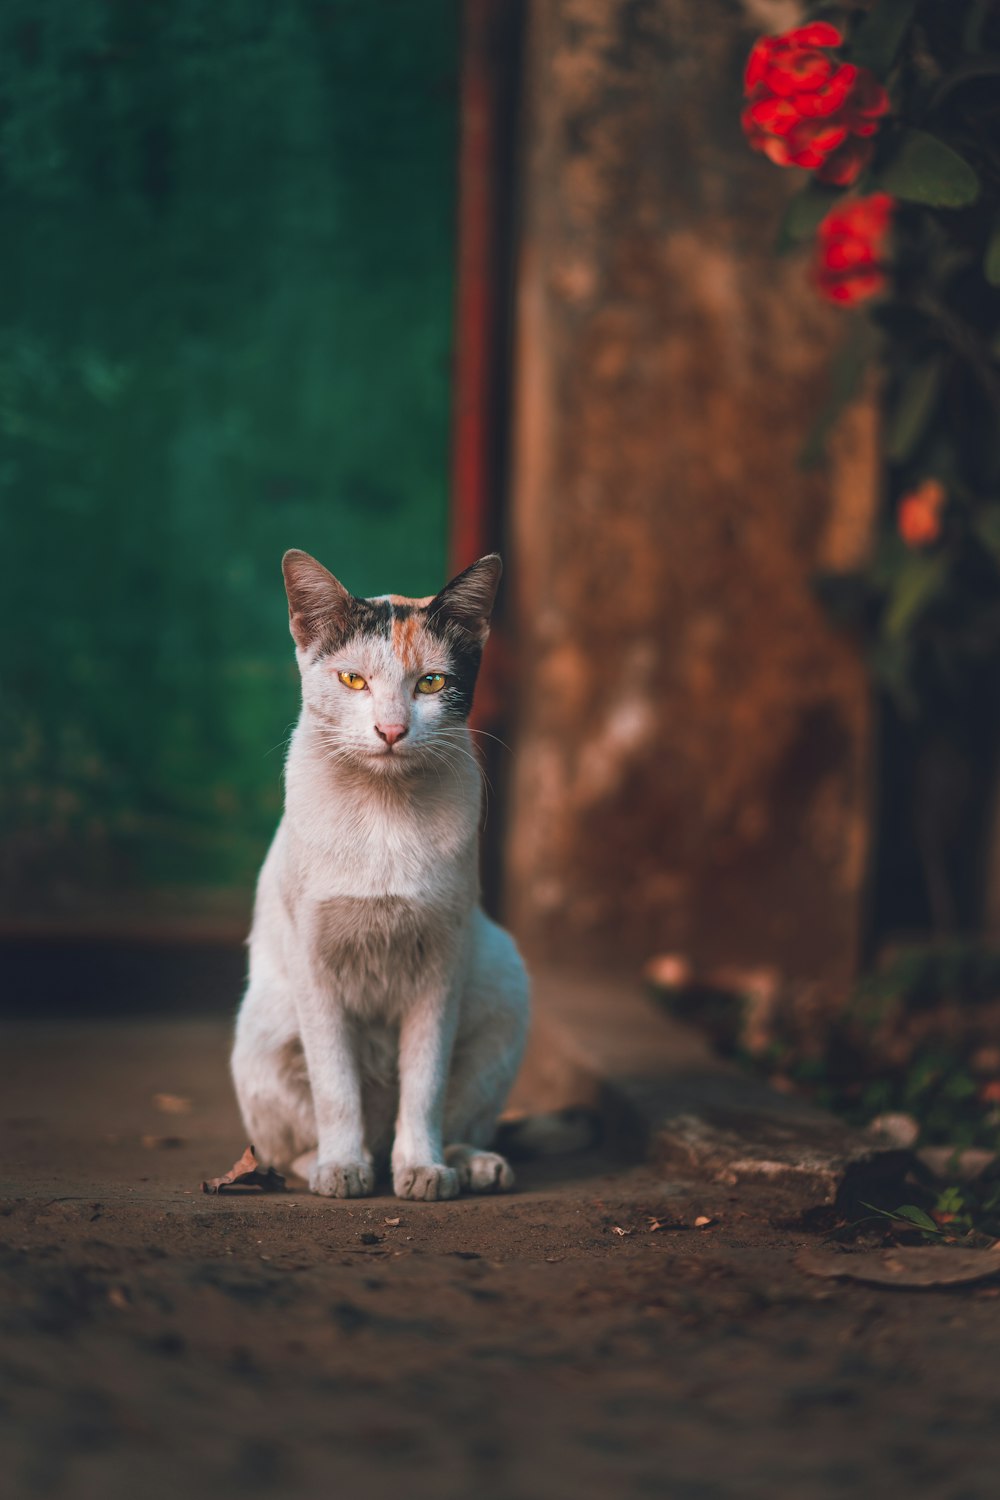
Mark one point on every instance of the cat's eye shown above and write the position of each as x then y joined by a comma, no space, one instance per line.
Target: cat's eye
353,680
432,683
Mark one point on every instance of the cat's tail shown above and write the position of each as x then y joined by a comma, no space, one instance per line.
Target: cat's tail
557,1133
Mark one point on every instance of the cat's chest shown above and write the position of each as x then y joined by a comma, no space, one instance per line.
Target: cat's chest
363,856
383,949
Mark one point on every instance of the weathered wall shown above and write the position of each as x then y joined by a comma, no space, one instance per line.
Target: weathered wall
693,738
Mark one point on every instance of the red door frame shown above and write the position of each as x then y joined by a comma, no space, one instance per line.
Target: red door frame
490,58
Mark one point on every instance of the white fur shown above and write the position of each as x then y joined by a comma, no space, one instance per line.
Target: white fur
385,1014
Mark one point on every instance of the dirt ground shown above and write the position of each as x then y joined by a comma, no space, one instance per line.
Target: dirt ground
158,1342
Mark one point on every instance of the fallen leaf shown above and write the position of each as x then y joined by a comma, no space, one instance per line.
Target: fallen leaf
617,1229
906,1266
392,1223
246,1174
162,1142
703,1221
172,1104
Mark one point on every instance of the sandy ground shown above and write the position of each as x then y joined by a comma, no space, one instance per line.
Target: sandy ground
158,1342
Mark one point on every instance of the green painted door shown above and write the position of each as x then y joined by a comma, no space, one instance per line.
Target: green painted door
226,267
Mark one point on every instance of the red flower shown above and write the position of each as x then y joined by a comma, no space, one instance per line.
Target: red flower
807,109
919,523
851,247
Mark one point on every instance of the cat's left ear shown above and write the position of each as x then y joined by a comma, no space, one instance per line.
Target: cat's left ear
467,601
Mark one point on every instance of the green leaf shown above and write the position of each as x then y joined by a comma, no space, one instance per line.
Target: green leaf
951,1199
991,260
877,40
804,214
925,170
916,585
846,374
914,405
915,1215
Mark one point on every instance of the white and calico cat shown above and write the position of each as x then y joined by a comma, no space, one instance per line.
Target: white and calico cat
385,1014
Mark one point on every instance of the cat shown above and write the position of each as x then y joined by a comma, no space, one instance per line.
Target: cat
385,1014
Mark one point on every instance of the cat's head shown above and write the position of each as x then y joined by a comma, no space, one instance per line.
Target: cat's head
389,679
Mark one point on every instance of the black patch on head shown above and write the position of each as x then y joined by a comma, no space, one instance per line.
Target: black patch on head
460,617
359,617
466,654
371,617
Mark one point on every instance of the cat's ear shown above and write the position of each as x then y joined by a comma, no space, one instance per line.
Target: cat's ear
467,601
316,600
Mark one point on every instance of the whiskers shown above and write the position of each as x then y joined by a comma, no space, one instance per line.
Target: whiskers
284,743
334,750
447,754
488,736
455,744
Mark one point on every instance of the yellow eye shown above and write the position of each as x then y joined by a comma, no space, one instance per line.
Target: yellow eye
432,683
353,680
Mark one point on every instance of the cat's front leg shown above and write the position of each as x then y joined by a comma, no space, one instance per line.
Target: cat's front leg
426,1037
343,1167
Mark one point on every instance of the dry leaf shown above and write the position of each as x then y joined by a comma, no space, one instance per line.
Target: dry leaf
246,1174
703,1221
172,1104
392,1223
906,1266
617,1229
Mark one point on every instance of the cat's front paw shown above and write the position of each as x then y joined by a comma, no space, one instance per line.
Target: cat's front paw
342,1179
425,1182
480,1171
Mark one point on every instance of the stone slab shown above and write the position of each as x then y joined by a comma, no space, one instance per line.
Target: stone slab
666,1095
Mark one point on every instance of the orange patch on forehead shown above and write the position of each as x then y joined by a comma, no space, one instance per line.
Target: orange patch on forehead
407,635
413,603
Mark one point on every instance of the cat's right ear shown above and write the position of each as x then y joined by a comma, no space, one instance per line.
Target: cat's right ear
318,603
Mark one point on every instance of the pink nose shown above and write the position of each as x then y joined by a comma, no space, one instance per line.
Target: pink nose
390,732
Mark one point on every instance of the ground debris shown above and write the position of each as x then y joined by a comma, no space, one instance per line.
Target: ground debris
906,1266
246,1175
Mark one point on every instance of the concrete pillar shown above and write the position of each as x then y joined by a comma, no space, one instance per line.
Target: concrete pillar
692,737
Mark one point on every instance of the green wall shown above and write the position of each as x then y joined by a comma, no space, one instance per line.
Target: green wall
226,264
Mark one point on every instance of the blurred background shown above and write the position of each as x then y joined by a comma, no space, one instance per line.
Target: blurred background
398,283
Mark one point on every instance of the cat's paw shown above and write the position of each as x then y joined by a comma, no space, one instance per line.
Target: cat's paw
348,1179
425,1182
480,1171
